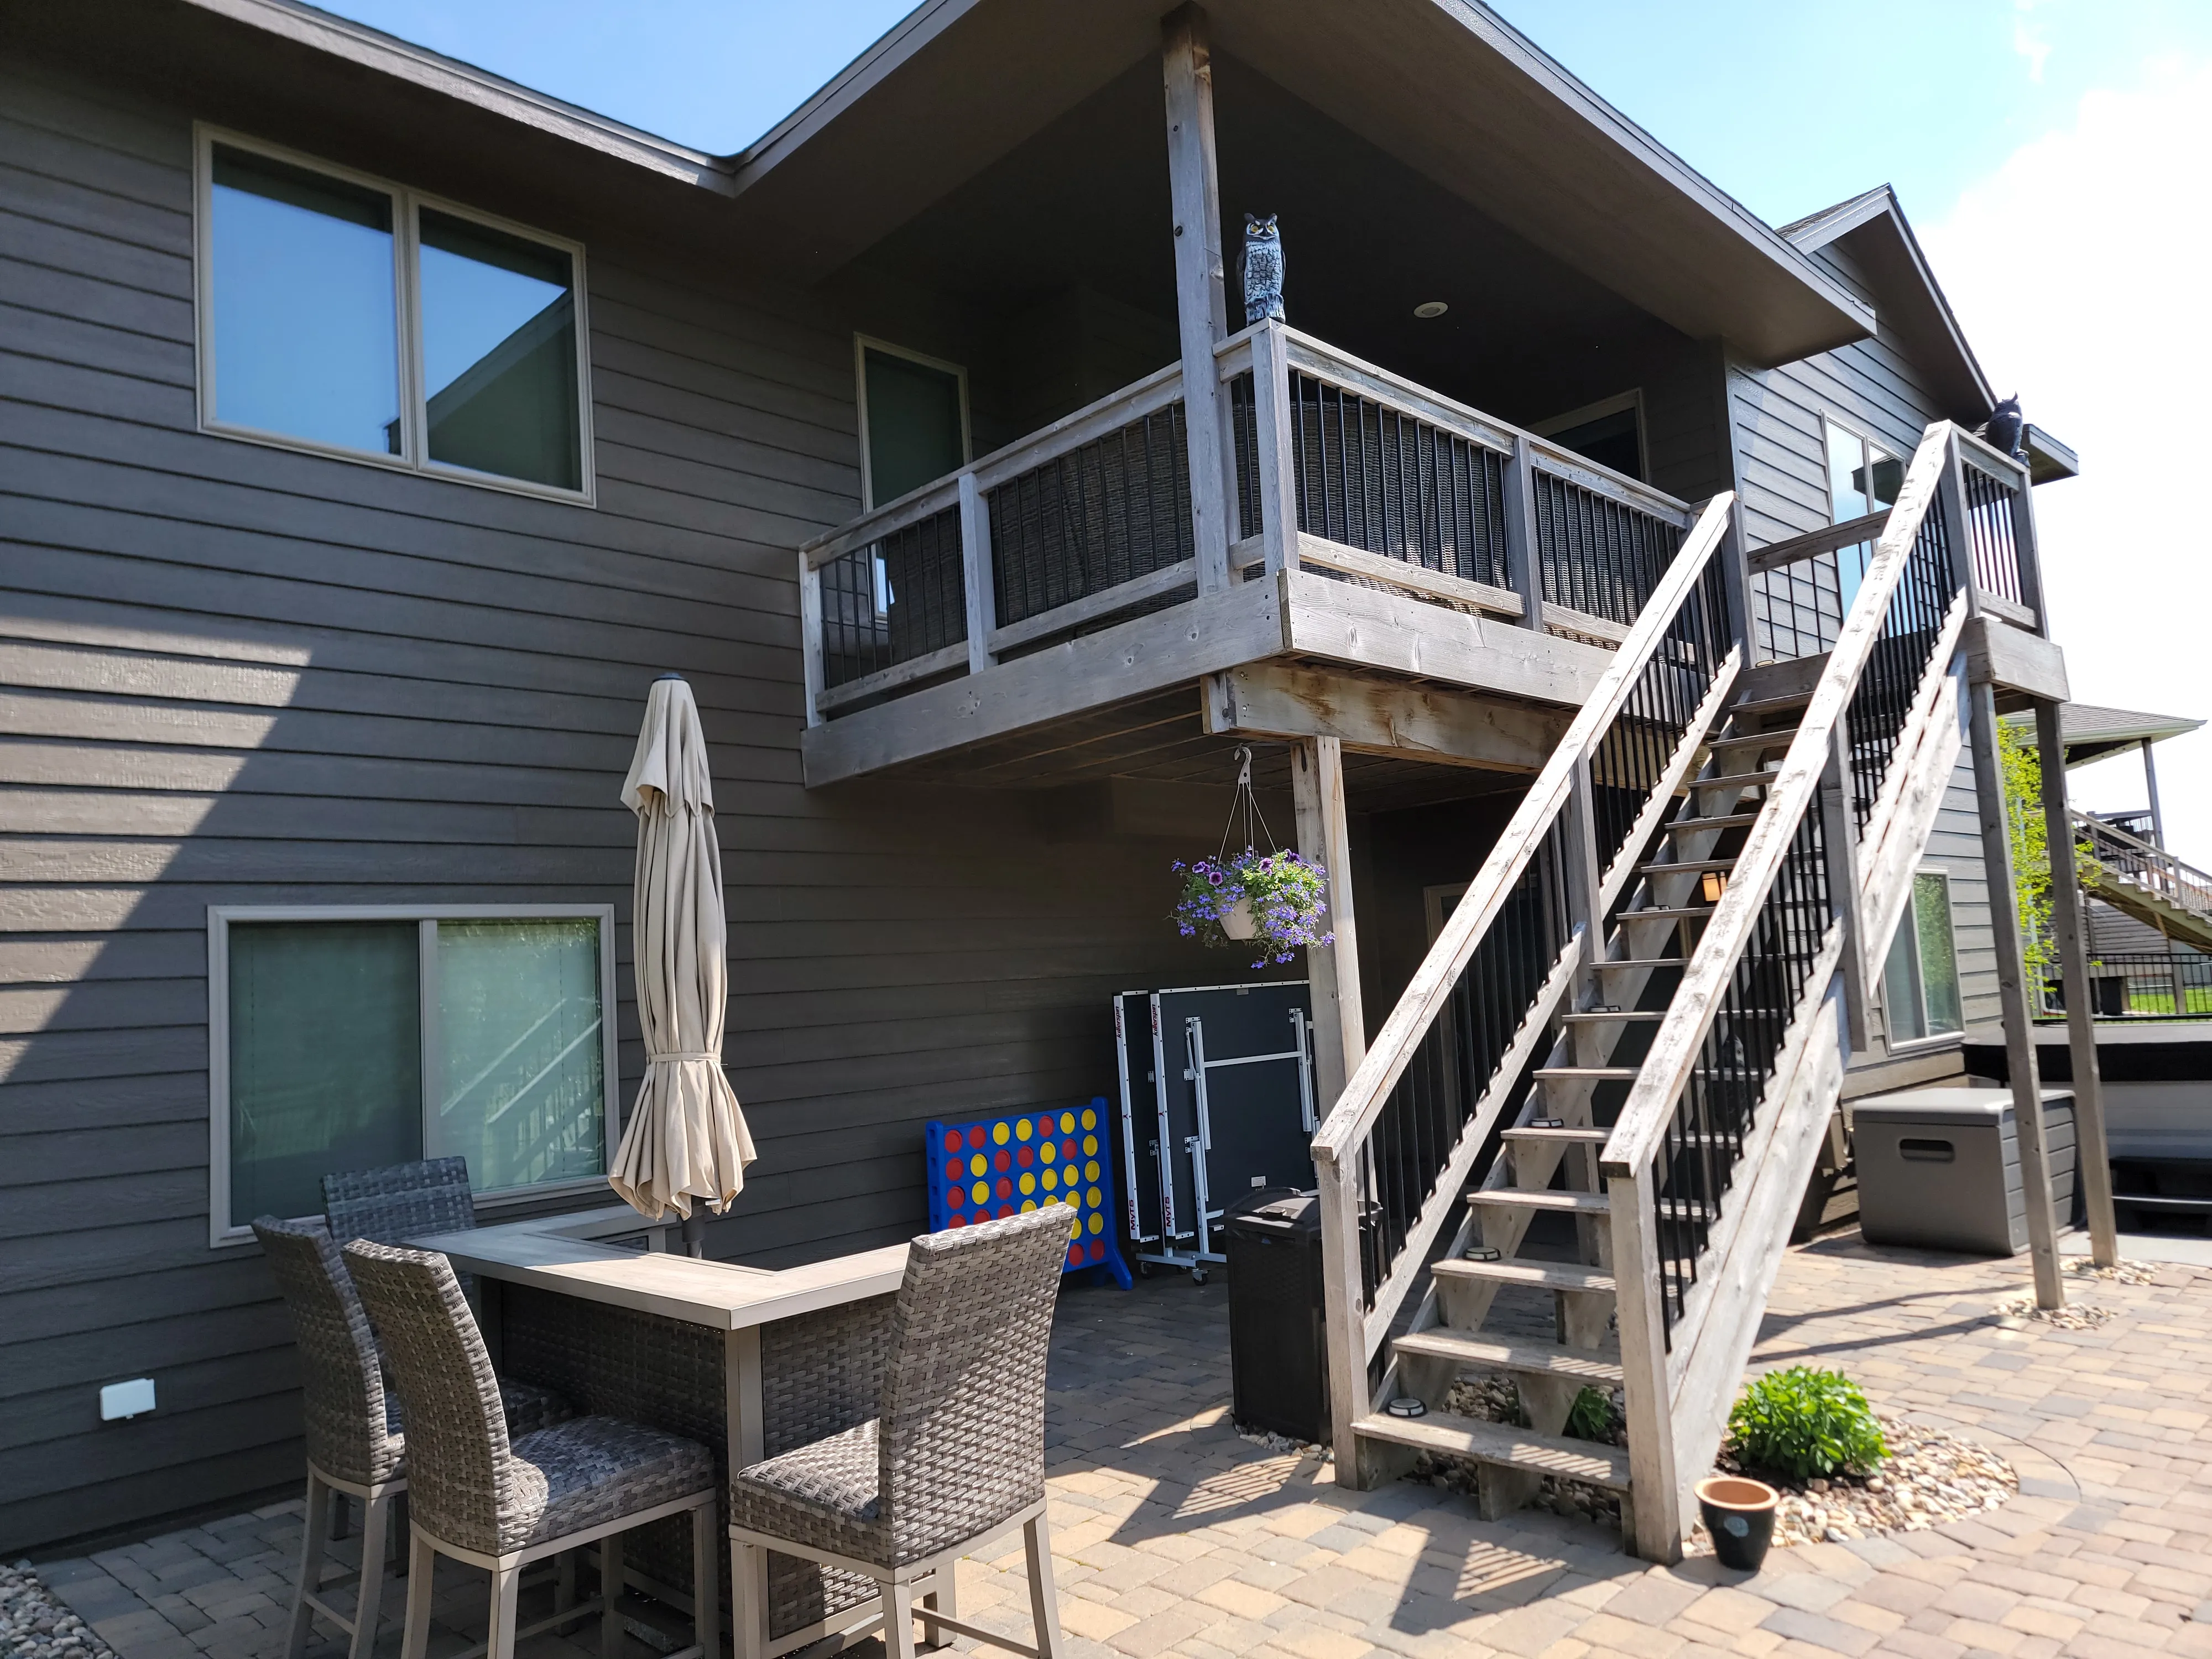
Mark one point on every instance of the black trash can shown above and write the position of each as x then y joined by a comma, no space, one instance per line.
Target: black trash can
1277,1338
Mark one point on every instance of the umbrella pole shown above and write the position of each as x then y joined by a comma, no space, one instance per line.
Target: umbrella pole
694,1232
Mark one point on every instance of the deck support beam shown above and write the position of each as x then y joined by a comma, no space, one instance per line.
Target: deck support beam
1332,971
2011,989
1201,303
2092,1160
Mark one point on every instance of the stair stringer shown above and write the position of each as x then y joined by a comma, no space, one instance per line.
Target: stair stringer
2132,899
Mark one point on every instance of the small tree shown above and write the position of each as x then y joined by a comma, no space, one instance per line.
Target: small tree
2029,839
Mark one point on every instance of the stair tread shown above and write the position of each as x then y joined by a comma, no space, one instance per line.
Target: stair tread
1767,705
1472,1348
1543,1275
1689,867
1625,962
1494,1442
1724,821
1616,1074
1667,913
1600,1016
1579,1135
1735,780
1778,736
1528,1198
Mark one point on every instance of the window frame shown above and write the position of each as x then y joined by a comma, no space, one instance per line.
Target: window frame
1869,445
407,204
1909,918
862,346
220,1234
1632,399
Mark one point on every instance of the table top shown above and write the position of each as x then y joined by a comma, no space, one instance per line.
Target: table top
562,1254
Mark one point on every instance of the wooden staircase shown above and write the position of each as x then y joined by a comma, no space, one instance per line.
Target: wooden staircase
2140,879
1606,1084
1548,1159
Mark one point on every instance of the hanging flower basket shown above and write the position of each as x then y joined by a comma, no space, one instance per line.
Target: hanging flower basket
1274,901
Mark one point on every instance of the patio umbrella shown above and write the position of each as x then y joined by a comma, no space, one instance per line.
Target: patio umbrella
686,1137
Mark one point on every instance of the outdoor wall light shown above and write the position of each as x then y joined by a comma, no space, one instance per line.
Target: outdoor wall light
1429,308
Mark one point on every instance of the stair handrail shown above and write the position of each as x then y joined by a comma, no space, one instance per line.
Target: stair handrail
2189,887
1789,822
1643,1117
1368,1086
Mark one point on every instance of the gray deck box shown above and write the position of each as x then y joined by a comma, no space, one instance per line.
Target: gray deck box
1939,1169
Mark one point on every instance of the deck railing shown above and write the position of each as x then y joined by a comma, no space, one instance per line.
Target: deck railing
1804,586
1332,465
2144,866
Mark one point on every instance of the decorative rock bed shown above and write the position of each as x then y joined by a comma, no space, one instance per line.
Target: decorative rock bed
34,1623
1931,1476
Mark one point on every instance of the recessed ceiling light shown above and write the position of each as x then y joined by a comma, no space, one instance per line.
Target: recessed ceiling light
1429,308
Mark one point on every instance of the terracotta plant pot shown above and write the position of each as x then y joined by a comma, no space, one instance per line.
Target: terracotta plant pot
1239,923
1740,1515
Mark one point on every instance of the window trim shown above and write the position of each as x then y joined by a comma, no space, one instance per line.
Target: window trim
862,346
1870,445
220,1234
407,203
1909,917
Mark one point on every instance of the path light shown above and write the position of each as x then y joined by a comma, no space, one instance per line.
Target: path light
1429,308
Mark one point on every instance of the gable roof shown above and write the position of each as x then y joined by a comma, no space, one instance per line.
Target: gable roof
1873,227
1444,85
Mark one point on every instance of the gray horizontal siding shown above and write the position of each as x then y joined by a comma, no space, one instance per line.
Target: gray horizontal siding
232,674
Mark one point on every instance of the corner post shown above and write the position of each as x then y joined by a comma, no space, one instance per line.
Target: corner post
1271,454
1201,306
2092,1159
810,632
2019,1036
1656,1493
2029,551
1332,971
975,573
1524,559
1344,1309
1736,581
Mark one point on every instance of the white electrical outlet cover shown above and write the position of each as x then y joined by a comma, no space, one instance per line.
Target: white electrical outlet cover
131,1399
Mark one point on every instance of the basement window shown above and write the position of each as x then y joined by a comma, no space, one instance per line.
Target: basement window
351,316
350,1038
1920,980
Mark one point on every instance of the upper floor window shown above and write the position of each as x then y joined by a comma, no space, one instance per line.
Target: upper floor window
345,314
913,420
1862,477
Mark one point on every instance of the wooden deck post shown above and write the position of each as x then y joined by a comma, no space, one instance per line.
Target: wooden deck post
1332,971
1524,560
975,573
1201,306
2012,988
2092,1160
1839,842
1959,541
1271,449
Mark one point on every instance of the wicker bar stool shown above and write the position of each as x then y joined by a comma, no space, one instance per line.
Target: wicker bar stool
478,1497
355,1446
401,1202
955,1457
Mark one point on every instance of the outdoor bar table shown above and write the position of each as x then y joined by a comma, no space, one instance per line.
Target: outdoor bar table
751,1362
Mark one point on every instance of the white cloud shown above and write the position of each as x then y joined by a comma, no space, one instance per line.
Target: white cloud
2079,269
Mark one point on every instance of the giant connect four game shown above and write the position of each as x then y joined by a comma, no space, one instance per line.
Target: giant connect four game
1001,1166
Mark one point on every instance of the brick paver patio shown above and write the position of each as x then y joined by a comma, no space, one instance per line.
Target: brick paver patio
1176,1536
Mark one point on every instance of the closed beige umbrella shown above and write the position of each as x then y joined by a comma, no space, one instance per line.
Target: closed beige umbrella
686,1137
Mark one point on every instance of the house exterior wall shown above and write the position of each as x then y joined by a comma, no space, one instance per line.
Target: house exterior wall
234,674
1781,463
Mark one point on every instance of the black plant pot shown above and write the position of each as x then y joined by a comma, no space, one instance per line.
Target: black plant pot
1740,1515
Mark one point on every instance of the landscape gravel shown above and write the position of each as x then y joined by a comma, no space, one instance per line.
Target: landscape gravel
35,1625
1931,1476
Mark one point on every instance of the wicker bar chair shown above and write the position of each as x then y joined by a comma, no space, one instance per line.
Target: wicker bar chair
356,1448
501,1505
401,1202
954,1458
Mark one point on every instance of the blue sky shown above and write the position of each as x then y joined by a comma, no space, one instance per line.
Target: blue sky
2052,155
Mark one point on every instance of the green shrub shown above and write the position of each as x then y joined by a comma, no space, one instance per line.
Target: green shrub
1801,1422
1590,1418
